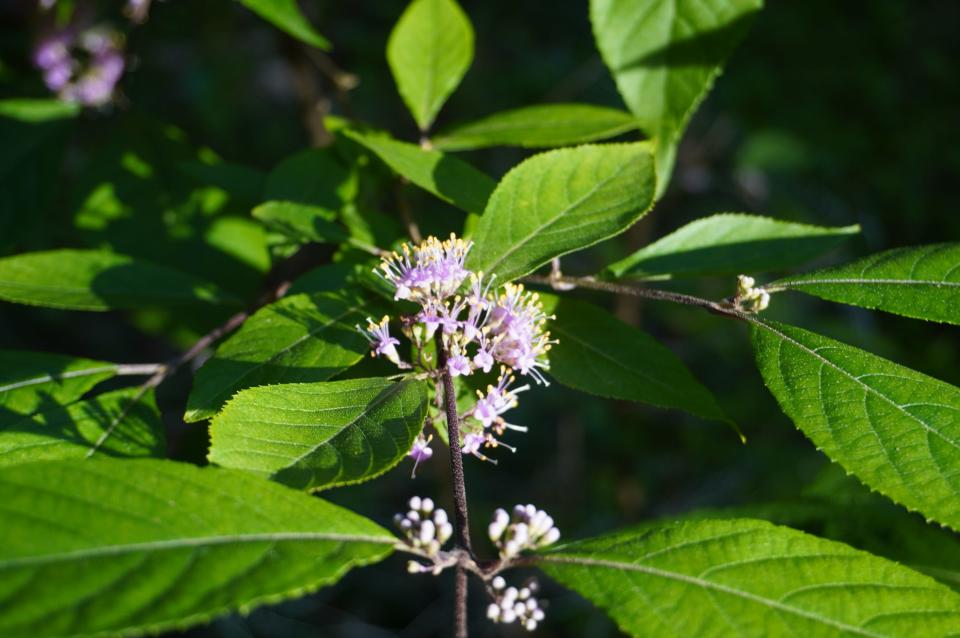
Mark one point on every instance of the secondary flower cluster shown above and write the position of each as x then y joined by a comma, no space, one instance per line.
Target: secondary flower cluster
515,605
81,66
424,527
528,528
480,326
750,297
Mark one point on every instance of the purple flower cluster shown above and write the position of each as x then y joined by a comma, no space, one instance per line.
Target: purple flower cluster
480,326
81,66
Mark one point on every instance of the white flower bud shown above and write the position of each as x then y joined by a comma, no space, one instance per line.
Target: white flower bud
499,582
440,517
493,612
414,503
426,505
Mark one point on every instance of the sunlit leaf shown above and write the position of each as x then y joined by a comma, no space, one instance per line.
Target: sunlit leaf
429,51
897,430
743,577
107,547
539,126
306,337
286,16
921,282
447,177
98,280
561,201
664,56
729,244
319,435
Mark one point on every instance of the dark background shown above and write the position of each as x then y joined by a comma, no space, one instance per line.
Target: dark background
829,112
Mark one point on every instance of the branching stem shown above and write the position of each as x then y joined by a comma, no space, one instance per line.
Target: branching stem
724,308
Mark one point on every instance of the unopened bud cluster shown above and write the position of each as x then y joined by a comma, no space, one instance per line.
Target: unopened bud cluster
527,528
480,326
750,297
511,604
424,527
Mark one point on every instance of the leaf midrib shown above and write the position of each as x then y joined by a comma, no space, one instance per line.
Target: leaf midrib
709,585
857,281
190,542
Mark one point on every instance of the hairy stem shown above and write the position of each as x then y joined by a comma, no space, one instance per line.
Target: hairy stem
461,523
565,283
460,603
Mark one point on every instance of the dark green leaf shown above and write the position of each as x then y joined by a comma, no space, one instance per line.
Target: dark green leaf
561,201
599,354
743,577
664,56
540,126
31,153
107,547
319,435
895,429
98,280
299,338
449,178
429,51
730,243
286,16
118,423
921,282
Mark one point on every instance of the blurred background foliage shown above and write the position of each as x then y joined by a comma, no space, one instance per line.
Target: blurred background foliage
830,113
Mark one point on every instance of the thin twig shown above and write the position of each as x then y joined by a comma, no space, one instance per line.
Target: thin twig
164,370
717,307
461,522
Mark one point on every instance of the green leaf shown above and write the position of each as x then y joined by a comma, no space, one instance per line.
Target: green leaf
664,56
319,435
118,423
299,338
429,51
599,354
743,577
449,178
561,201
301,222
922,282
98,280
730,243
315,177
895,429
32,380
107,547
540,126
37,110
286,16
